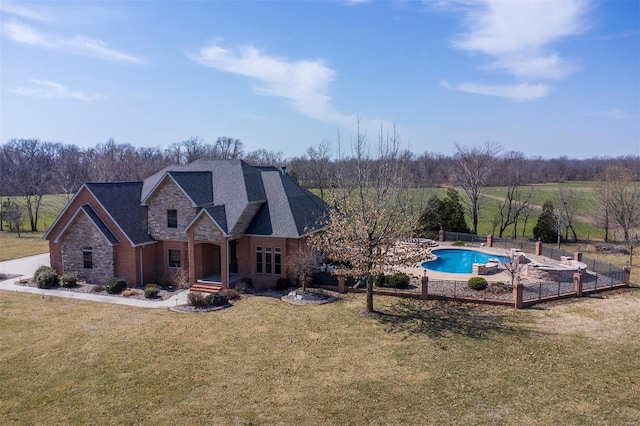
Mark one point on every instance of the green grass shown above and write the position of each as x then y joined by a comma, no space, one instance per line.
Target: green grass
51,206
489,208
266,362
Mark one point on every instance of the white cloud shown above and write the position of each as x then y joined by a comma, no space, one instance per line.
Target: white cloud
517,35
24,12
303,83
78,45
614,113
516,92
50,89
519,32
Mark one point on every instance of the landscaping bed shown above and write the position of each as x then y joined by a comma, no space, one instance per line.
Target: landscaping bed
84,287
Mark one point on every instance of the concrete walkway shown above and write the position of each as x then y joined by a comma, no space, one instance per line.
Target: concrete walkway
26,266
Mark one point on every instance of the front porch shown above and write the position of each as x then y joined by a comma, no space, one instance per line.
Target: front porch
217,279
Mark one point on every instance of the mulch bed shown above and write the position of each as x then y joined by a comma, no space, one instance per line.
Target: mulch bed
310,297
83,287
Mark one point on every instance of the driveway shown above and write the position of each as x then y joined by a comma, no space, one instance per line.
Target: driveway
26,266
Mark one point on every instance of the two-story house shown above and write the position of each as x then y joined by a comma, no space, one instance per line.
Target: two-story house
215,220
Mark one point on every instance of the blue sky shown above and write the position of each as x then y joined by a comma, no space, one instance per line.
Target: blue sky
546,78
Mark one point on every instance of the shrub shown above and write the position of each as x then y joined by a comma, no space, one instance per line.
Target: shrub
69,280
216,299
47,279
282,284
400,281
196,299
40,270
458,244
151,292
130,292
230,294
242,285
115,285
477,283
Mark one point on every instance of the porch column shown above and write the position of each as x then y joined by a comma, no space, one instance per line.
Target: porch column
224,262
192,257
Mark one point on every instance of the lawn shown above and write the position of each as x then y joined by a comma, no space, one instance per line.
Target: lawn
29,243
266,362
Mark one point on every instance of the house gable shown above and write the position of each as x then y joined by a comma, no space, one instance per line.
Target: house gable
93,217
206,229
169,196
83,235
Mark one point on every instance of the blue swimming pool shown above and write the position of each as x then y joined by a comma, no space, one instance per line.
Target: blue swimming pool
459,261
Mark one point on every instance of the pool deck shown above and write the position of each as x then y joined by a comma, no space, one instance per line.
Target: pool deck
501,276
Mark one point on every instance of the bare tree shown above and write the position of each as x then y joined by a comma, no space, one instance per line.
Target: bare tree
228,148
71,169
33,163
625,203
303,262
13,214
517,199
319,159
262,157
473,169
566,208
371,213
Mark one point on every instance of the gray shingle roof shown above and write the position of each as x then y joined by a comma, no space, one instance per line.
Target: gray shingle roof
122,201
197,185
218,214
93,216
291,211
235,194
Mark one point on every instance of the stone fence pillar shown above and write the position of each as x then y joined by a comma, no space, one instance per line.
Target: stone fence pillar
627,275
577,256
577,283
342,288
441,235
538,248
489,240
518,291
425,287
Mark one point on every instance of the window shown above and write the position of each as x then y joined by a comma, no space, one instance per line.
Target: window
172,218
259,260
277,264
174,258
87,257
267,260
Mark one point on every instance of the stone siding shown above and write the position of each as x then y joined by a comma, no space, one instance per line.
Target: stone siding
83,232
169,196
205,230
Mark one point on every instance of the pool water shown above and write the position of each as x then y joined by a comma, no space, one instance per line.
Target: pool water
459,261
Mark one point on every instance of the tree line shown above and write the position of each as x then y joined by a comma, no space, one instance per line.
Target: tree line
30,168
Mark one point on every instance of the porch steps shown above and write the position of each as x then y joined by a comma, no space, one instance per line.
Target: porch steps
206,288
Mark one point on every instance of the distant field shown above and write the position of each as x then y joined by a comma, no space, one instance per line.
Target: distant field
30,243
489,210
50,207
